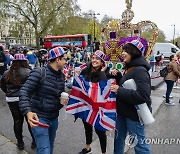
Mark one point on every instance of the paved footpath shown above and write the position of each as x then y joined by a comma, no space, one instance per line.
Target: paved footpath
68,144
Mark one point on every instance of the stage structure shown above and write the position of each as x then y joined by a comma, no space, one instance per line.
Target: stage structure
118,32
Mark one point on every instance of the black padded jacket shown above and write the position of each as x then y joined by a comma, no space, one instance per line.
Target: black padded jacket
42,97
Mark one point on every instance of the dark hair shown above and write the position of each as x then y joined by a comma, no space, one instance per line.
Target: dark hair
13,75
158,52
171,57
132,50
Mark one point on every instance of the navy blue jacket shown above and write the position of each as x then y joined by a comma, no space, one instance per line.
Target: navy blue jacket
128,98
42,98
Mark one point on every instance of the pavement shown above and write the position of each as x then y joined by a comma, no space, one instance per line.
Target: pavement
7,146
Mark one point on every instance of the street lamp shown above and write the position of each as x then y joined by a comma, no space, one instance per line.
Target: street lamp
174,32
94,18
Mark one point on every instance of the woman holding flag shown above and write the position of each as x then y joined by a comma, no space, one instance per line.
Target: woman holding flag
96,71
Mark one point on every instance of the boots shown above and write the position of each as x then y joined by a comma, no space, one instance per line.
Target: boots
20,144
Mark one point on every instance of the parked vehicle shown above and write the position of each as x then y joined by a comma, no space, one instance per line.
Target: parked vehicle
167,49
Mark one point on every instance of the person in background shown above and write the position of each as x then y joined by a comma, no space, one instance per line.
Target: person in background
152,64
2,60
127,117
11,82
68,54
31,57
8,60
172,77
40,100
158,59
96,71
162,60
178,62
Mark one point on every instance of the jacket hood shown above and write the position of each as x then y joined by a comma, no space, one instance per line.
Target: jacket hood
141,61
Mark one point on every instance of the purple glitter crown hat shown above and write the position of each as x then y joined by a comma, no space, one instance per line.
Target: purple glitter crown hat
138,45
100,54
55,52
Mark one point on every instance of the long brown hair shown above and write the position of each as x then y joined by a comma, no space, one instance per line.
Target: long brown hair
13,75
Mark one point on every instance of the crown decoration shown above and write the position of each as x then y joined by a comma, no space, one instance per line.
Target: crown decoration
112,39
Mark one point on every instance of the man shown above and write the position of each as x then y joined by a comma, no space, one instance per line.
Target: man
31,56
39,100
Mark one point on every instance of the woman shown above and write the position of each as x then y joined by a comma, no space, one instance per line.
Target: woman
172,77
127,118
95,71
178,62
11,82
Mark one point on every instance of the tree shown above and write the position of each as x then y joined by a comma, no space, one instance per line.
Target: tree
105,20
43,15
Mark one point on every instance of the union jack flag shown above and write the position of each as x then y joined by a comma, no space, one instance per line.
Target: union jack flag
93,103
66,70
83,66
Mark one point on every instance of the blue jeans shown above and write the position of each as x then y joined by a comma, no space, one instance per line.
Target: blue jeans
45,137
124,126
170,85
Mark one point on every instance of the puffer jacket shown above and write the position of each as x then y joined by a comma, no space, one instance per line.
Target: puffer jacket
9,88
42,97
127,98
174,71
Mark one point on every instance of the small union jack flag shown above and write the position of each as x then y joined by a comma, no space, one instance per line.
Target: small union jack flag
93,103
65,70
83,66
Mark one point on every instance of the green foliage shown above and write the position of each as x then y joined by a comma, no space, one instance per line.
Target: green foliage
44,16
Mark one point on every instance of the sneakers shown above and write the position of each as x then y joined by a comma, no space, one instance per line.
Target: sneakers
20,145
85,151
169,96
169,104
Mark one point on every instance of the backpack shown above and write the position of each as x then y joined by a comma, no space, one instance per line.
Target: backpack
43,76
164,72
158,58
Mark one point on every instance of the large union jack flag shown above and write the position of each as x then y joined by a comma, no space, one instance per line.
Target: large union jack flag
93,102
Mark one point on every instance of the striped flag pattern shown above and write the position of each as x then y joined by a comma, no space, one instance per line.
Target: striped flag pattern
93,103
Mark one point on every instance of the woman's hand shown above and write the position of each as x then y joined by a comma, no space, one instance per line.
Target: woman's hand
114,88
105,66
114,72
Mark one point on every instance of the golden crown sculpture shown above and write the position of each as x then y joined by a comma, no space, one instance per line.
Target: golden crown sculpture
112,40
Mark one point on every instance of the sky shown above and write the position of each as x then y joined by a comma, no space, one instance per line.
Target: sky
164,13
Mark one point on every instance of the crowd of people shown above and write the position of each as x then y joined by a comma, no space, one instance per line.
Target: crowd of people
34,93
